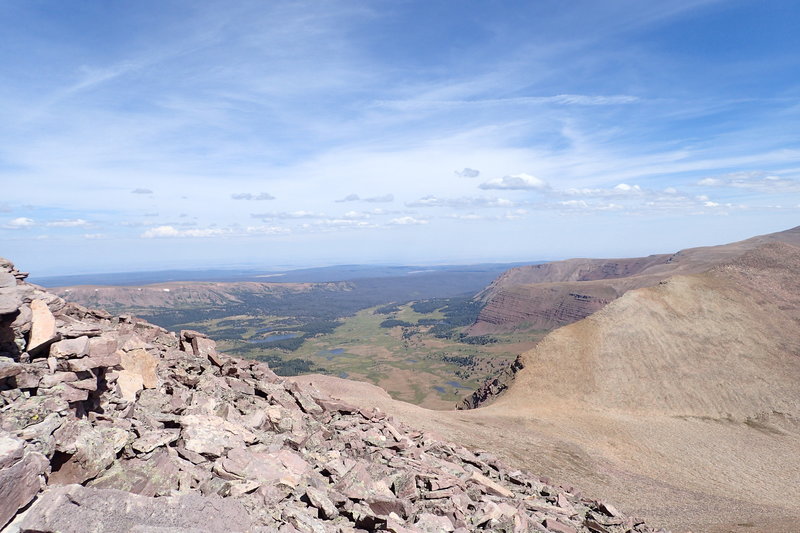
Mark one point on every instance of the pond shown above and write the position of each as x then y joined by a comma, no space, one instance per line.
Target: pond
273,338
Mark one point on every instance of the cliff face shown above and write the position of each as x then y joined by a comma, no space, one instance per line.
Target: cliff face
108,423
551,295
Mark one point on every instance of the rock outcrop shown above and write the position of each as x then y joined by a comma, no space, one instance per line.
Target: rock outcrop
109,423
550,295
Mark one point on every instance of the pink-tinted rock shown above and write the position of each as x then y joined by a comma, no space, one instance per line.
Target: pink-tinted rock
20,476
85,450
102,346
77,509
43,325
265,467
70,393
100,361
151,440
430,523
9,369
140,362
490,487
70,348
558,527
212,435
359,484
155,476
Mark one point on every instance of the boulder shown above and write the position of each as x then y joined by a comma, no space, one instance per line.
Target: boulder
141,363
20,476
84,450
70,348
8,369
155,476
283,465
213,436
77,509
97,361
43,325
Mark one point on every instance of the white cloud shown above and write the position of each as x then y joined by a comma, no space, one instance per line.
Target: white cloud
559,99
587,206
385,198
141,191
341,223
267,230
93,236
407,221
170,231
350,198
516,182
249,196
284,215
68,223
624,187
468,173
757,180
467,216
621,189
463,202
356,214
20,223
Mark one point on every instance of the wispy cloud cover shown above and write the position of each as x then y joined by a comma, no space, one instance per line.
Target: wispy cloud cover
144,134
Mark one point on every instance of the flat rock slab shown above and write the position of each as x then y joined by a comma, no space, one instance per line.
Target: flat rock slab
19,477
43,324
213,436
77,509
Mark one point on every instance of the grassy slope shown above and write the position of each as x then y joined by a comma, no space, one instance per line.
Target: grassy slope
416,367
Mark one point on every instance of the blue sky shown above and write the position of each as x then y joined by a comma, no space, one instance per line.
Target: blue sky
147,135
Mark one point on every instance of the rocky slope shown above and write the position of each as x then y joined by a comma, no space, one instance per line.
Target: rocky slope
551,295
108,423
678,401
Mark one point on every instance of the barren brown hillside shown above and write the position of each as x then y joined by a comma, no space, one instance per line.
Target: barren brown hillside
181,294
550,295
681,400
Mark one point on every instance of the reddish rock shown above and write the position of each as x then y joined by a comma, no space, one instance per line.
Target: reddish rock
77,509
88,363
70,348
85,450
20,476
43,325
557,526
8,369
490,487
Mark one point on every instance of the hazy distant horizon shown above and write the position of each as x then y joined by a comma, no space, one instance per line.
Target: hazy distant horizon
150,135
